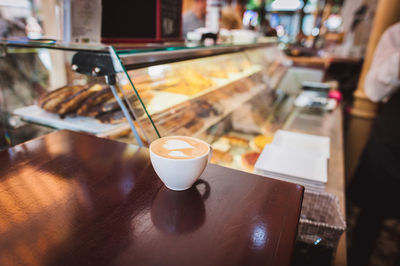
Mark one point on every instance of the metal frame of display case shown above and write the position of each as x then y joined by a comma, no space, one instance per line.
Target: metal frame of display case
132,59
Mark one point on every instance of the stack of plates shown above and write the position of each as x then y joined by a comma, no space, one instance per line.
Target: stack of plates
296,158
303,143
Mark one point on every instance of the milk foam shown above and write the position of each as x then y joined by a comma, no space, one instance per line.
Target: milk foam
177,144
177,154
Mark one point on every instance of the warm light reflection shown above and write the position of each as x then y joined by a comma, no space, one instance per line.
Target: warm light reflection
129,151
33,212
141,223
57,145
25,253
157,71
6,259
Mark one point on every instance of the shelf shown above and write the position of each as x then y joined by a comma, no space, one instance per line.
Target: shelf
35,114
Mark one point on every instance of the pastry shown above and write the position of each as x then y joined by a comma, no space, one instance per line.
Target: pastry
146,96
72,103
176,120
95,99
52,102
110,105
218,74
237,141
221,157
260,141
221,145
191,82
156,85
249,159
91,100
114,117
47,96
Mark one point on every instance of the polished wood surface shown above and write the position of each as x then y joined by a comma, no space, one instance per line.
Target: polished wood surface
74,199
330,125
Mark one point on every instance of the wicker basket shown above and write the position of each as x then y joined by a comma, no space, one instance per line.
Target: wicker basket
321,221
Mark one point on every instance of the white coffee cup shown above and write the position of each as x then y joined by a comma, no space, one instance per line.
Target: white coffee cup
179,173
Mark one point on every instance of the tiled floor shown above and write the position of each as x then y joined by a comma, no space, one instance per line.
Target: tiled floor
388,245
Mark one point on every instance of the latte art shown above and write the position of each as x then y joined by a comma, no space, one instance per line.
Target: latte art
177,154
174,144
179,147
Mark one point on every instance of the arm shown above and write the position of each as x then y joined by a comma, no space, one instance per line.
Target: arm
383,77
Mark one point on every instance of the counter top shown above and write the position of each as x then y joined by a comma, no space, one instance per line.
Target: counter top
74,199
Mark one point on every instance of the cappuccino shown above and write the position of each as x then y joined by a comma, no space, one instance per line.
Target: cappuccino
179,148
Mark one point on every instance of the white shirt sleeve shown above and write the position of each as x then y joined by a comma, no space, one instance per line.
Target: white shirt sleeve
383,76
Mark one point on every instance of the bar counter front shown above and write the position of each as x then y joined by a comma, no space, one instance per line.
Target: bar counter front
74,199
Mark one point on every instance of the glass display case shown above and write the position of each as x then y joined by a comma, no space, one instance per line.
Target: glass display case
46,87
230,96
229,99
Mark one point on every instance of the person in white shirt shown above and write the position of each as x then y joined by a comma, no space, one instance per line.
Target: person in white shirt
194,18
383,78
375,187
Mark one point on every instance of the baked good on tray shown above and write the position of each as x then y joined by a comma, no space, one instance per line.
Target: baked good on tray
237,141
72,103
95,99
221,145
52,101
92,100
221,157
249,159
261,140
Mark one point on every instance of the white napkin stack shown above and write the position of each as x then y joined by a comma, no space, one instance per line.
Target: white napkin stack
297,158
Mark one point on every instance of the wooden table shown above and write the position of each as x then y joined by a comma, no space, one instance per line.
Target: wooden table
74,199
330,125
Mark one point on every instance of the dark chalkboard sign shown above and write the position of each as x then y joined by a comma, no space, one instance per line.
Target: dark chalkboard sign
171,12
141,21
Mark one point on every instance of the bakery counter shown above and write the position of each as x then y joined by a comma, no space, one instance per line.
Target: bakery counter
74,199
